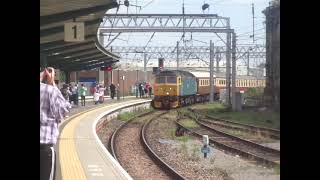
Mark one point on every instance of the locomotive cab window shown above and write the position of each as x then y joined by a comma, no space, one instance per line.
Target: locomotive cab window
161,79
171,79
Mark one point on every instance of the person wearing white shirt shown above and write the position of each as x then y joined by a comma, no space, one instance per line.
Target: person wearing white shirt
96,97
101,92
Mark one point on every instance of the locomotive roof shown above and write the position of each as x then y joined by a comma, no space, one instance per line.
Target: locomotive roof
176,72
222,75
204,74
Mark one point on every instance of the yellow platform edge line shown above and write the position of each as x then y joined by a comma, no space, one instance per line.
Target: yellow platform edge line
71,167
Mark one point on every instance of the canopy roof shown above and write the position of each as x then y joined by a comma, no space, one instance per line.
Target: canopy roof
73,56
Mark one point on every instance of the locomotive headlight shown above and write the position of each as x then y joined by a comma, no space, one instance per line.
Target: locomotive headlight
167,93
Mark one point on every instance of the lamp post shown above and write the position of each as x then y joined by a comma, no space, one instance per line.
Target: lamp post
123,78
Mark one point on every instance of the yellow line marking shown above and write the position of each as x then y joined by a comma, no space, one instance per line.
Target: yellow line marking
71,167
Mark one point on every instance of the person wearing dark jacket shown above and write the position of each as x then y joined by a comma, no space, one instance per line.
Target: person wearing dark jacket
112,90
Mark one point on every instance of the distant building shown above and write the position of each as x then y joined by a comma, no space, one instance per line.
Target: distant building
272,89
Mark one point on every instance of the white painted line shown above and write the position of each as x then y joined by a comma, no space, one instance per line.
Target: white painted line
97,174
114,162
95,169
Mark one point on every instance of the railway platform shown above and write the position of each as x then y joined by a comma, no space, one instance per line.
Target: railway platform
80,153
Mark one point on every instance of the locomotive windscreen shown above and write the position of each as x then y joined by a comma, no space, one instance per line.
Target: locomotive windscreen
166,79
161,79
171,79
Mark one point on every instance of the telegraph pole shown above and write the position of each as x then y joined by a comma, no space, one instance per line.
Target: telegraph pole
228,64
248,68
234,66
177,55
217,60
252,22
211,71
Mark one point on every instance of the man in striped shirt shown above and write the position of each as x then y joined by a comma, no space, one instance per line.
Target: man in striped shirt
53,108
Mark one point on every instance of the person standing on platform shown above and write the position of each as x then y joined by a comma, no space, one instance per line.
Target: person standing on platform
150,91
101,92
83,92
112,90
141,90
137,89
96,97
75,94
65,92
53,108
71,96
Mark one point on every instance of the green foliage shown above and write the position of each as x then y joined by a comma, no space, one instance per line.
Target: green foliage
189,123
126,116
183,138
266,119
184,149
129,115
254,92
172,133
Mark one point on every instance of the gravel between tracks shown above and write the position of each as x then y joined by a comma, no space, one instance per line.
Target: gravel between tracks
186,158
234,143
132,155
105,132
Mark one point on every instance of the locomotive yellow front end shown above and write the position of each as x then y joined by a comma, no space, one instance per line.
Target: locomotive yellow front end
166,91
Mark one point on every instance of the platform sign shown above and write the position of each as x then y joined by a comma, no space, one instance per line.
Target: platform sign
74,31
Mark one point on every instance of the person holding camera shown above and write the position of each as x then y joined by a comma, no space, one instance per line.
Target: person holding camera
53,108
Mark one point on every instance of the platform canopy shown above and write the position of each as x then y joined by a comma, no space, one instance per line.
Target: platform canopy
73,56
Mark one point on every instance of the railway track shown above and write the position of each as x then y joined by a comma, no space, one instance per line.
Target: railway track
131,149
266,132
233,144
